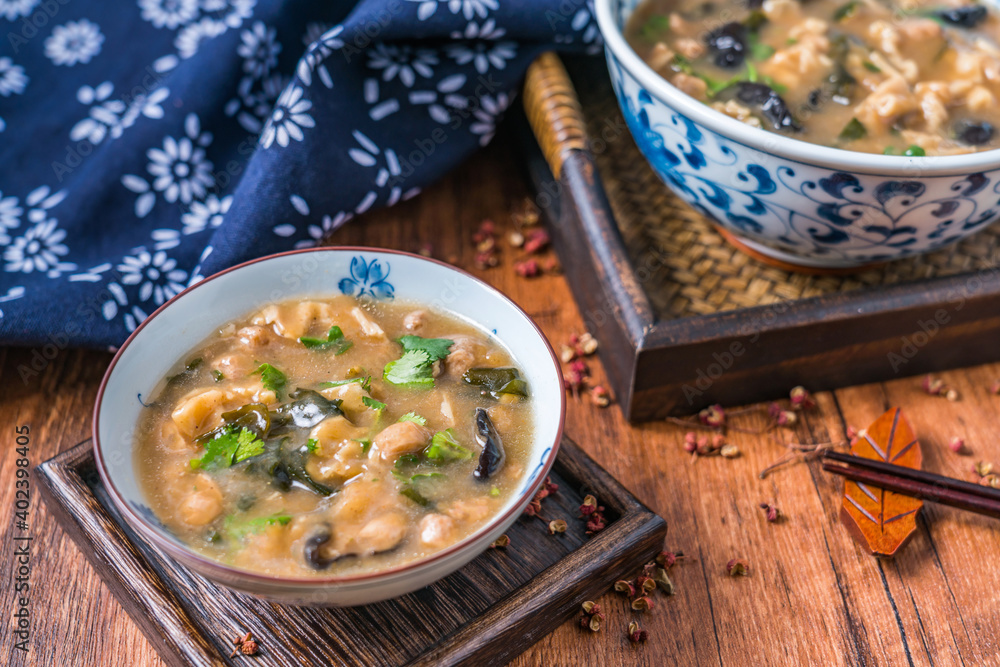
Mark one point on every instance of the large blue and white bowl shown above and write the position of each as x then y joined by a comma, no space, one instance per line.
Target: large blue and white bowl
796,202
189,318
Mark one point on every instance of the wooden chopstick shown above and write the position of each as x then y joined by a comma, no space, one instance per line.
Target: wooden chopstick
916,483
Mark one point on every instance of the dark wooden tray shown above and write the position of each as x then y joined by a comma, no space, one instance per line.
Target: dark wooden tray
485,614
697,322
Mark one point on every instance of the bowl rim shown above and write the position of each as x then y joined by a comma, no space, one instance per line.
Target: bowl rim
776,144
182,552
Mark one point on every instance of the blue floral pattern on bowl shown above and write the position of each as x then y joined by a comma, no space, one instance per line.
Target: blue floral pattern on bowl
368,278
806,214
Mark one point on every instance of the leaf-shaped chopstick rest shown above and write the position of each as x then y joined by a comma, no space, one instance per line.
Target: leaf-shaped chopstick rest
882,521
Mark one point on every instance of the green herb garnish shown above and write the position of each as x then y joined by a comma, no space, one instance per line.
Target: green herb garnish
871,67
312,444
366,444
335,341
373,404
413,417
889,150
758,49
853,130
436,348
846,10
413,369
271,378
494,492
914,151
230,447
219,377
655,26
414,495
444,448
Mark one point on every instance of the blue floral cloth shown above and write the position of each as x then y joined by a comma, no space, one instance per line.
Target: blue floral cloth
145,145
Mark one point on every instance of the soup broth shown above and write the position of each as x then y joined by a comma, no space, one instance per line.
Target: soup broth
334,436
915,78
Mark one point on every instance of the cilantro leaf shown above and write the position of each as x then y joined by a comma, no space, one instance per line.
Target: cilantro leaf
372,403
312,444
436,348
271,378
248,445
413,369
229,447
366,444
413,417
217,374
365,382
335,341
444,448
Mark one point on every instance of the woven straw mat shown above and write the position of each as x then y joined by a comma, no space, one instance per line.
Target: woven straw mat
691,270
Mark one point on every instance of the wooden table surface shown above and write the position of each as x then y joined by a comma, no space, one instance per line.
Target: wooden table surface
813,596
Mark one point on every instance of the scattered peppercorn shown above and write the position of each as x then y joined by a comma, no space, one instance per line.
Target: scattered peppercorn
635,634
527,269
623,586
771,513
737,567
729,451
690,442
801,398
587,344
557,526
245,645
995,388
591,616
713,415
642,603
536,241
515,239
501,542
780,416
426,249
667,559
600,397
567,354
957,445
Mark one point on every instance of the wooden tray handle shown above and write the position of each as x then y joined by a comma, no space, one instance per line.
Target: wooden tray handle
553,110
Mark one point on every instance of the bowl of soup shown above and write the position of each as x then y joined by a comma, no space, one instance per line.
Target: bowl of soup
820,133
333,426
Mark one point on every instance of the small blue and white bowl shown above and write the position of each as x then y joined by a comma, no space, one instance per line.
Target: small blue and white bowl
189,318
795,202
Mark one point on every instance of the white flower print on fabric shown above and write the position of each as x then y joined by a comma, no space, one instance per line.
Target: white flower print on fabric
314,32
207,214
441,101
75,42
156,275
585,28
12,78
483,55
316,232
191,37
39,249
11,9
253,107
259,49
486,117
402,61
469,8
10,216
288,118
180,170
110,118
196,275
487,30
368,154
318,51
237,11
253,104
169,13
12,294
